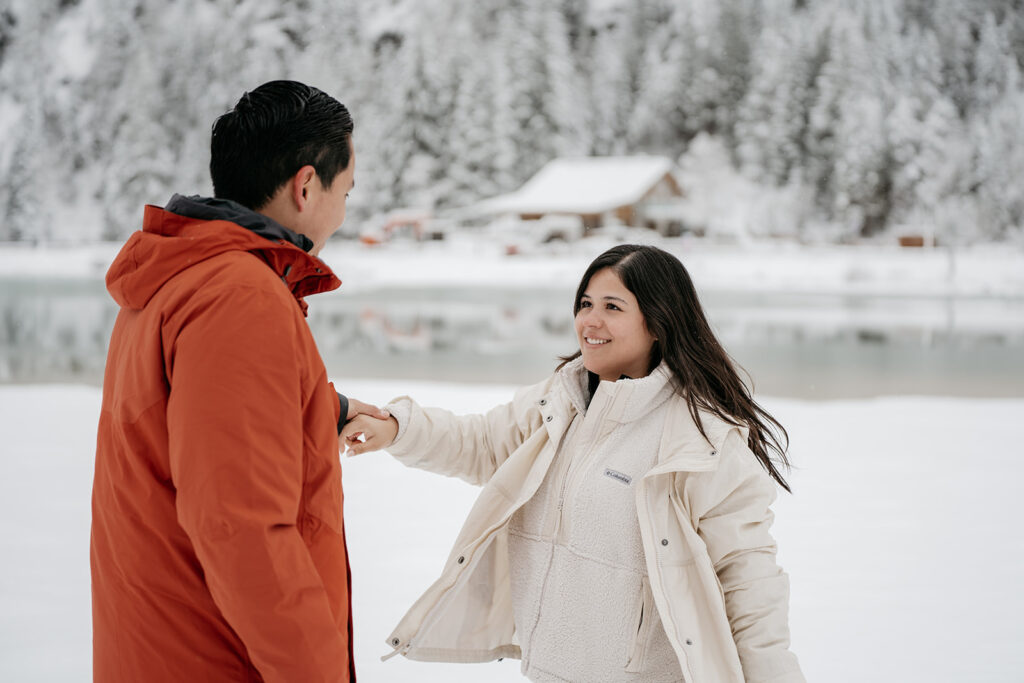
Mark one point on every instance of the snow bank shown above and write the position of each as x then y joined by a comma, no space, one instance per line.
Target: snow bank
469,260
54,261
901,541
990,271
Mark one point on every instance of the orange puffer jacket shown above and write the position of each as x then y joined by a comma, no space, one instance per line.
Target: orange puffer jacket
218,548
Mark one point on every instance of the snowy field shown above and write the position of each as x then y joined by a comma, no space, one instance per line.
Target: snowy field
903,540
475,260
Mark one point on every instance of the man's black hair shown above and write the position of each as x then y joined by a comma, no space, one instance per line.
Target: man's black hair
270,134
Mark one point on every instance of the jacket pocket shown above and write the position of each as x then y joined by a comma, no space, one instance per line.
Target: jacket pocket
321,488
638,649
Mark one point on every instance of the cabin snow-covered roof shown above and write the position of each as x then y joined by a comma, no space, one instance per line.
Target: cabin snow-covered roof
584,185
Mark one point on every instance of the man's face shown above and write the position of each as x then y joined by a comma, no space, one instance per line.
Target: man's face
328,212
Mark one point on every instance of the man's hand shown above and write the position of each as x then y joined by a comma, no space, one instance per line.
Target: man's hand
356,407
364,433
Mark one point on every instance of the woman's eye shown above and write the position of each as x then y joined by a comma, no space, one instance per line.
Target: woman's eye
584,304
613,307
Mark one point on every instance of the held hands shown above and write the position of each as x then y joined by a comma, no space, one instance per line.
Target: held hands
364,433
356,407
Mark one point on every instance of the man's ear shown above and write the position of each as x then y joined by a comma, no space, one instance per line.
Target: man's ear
302,186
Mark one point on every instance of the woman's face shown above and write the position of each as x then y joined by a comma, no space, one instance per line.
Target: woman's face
611,330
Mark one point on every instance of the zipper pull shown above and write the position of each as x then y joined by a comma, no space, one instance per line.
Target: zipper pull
401,651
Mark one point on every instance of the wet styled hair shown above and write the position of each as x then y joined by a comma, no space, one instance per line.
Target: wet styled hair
270,134
703,372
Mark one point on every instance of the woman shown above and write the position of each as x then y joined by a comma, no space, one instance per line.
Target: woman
622,533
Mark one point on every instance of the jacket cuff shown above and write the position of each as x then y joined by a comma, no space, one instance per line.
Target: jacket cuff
343,412
401,410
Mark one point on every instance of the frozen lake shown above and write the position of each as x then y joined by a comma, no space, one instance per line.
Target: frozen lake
800,345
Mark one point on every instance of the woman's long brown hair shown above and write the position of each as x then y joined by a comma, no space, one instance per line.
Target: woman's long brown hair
705,374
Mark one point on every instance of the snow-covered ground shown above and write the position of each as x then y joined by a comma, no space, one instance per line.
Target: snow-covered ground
475,260
903,539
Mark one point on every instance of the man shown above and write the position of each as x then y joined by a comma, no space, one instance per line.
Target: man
218,547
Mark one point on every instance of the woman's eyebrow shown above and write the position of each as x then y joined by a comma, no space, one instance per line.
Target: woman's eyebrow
606,298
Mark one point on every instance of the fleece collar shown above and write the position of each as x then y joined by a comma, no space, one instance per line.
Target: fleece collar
629,398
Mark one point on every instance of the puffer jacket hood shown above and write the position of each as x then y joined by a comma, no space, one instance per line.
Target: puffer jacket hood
192,229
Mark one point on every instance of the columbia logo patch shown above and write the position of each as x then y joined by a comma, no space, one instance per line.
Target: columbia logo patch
618,476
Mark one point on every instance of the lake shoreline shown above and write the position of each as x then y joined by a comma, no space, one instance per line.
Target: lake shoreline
473,260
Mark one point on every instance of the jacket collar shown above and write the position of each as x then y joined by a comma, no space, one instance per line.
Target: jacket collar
628,399
682,447
170,243
215,209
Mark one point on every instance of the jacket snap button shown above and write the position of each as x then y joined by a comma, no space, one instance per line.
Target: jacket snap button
543,401
462,558
395,642
549,418
664,541
714,452
689,642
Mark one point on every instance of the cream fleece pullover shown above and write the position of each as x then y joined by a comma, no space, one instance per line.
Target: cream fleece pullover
580,594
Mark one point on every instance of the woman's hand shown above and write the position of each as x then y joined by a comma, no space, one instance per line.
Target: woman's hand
357,407
364,433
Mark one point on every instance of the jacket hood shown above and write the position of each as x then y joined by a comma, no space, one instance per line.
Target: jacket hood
192,229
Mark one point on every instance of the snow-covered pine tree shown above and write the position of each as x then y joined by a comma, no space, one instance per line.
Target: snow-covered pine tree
610,104
116,112
27,149
474,143
735,31
996,135
547,104
846,137
669,111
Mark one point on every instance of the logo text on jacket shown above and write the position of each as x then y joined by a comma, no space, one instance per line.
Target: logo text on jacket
618,476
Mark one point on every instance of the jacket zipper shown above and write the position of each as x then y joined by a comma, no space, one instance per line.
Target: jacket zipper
551,554
581,456
575,457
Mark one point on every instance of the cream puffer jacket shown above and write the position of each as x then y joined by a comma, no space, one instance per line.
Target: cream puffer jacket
704,515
